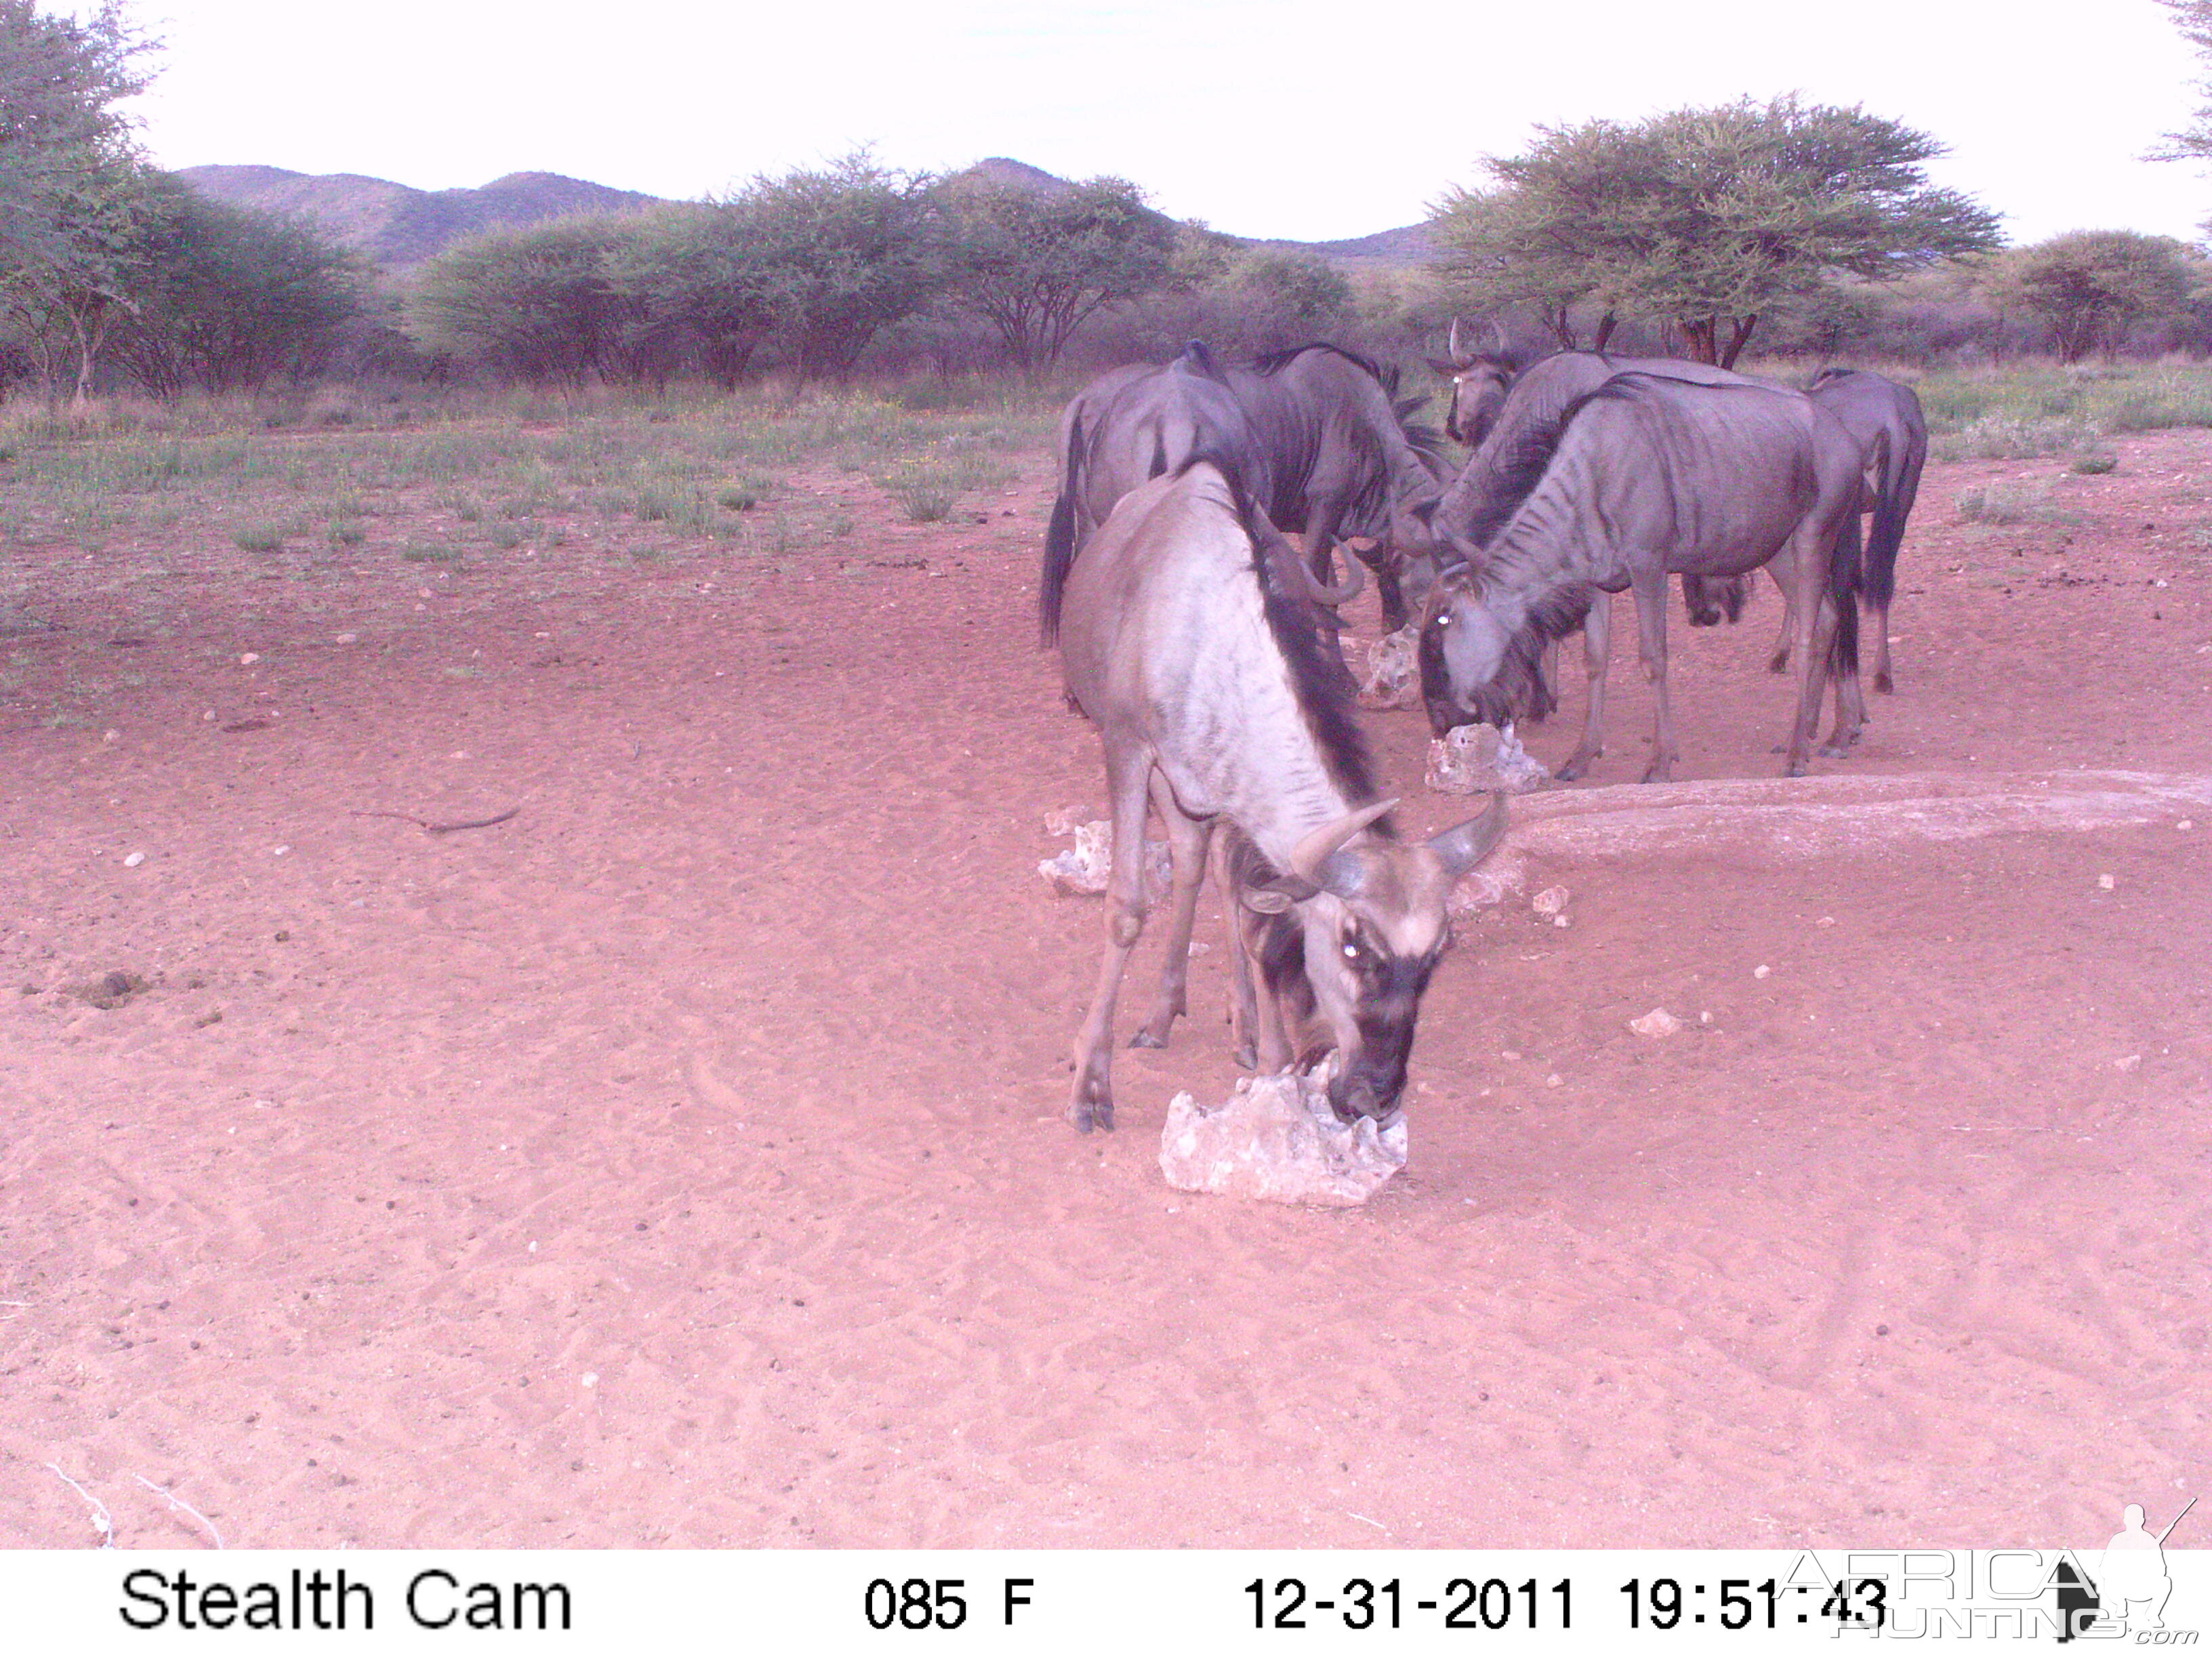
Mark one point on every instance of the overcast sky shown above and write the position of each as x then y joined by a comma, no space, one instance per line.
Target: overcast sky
1265,118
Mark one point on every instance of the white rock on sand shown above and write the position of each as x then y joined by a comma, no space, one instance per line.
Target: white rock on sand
1082,870
1481,760
1657,1024
1393,673
1277,1138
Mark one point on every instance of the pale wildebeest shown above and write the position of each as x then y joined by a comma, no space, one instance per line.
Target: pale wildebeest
1182,640
1644,476
1316,432
1480,501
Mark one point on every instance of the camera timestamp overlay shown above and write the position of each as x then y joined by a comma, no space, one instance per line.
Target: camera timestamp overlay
2126,1591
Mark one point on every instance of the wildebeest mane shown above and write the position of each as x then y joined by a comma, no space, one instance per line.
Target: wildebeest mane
1275,362
1322,696
1515,473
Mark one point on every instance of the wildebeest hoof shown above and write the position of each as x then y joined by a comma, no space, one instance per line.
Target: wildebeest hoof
1835,751
1144,1039
1796,769
1778,663
1089,1114
1882,683
1248,1059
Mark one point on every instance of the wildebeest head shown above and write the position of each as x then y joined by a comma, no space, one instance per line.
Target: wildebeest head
1479,660
1479,381
1371,913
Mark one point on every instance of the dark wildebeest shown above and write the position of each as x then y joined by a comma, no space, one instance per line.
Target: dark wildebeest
1182,640
1479,381
1488,488
1885,421
1644,476
1317,433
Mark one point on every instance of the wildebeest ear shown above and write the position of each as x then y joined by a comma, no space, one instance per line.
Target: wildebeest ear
1275,897
1443,366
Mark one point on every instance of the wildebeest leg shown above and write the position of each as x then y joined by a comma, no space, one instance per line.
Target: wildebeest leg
1882,680
1547,684
1597,650
1815,618
1651,589
1779,662
1188,838
1243,1010
1092,1102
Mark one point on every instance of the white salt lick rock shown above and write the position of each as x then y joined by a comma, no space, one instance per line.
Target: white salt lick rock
1481,760
1277,1138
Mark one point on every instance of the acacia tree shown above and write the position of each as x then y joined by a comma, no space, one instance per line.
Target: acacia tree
535,302
1708,219
848,249
230,298
704,281
71,182
2091,288
1037,264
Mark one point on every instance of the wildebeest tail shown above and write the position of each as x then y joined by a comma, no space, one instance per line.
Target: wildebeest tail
1060,538
1844,589
1893,501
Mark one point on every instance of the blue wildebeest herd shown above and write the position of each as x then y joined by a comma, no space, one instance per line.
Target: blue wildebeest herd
1206,649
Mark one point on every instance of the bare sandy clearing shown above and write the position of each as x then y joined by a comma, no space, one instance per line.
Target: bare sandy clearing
728,1073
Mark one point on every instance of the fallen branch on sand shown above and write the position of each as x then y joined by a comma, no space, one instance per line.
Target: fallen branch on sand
102,1523
429,828
177,1503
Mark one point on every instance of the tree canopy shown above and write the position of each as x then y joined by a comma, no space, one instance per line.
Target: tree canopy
1708,219
2091,288
1036,264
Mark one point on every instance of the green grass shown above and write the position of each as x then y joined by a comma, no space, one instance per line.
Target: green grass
694,465
2040,409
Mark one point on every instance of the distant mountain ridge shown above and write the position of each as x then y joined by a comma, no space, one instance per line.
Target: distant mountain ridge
398,227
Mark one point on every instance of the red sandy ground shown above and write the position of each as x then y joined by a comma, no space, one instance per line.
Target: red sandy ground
681,1161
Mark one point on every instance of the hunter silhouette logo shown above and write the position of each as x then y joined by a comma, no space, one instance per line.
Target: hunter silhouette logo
2129,1589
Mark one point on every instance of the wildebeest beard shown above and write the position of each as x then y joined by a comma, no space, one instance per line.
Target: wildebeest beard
1518,690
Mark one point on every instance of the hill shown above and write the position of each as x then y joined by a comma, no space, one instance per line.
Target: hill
398,227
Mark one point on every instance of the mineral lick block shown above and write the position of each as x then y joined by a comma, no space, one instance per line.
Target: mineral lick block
1277,1138
1478,760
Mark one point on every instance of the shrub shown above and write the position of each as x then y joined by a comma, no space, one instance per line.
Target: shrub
924,491
2011,503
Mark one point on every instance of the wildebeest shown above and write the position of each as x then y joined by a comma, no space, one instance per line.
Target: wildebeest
1885,420
1484,494
1645,476
1317,432
1479,381
1182,640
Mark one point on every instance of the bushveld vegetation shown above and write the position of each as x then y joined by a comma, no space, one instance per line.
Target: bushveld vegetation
1790,231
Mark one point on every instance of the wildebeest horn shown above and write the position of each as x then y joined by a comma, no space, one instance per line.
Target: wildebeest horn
1496,337
1354,579
1465,845
1317,848
1451,344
